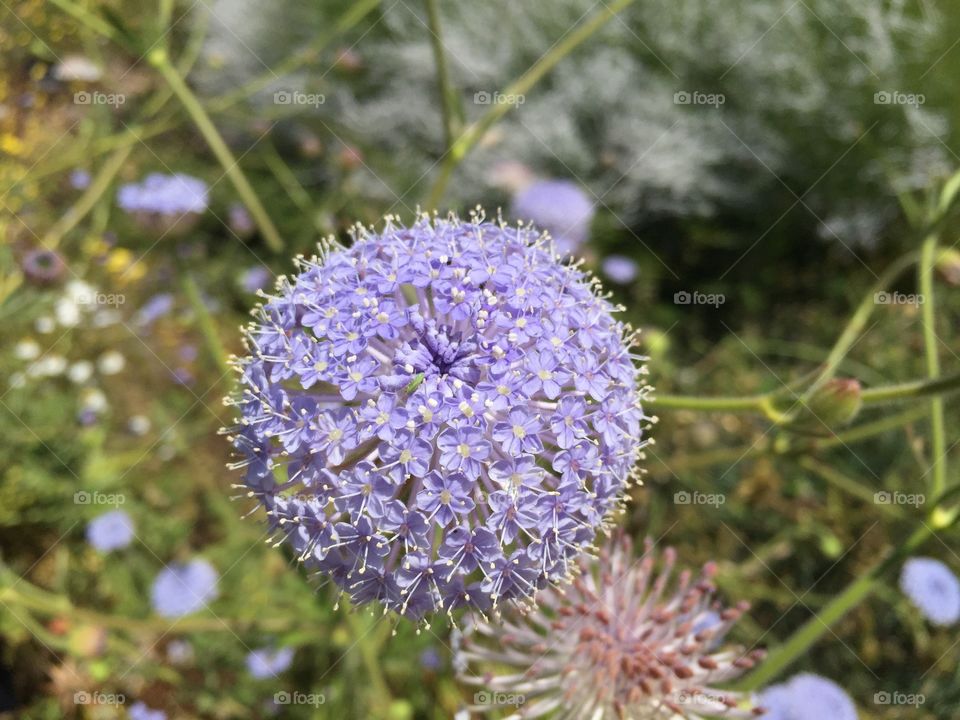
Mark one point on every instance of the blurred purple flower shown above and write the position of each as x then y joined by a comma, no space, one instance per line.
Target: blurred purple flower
255,278
933,588
269,662
140,711
153,309
42,266
181,589
425,473
560,207
164,195
239,221
622,270
807,697
430,659
111,531
80,179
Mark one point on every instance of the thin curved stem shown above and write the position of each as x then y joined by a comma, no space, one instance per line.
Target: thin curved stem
448,96
521,86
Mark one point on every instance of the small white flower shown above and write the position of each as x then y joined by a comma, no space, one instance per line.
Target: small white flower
94,400
139,425
26,350
67,313
48,366
80,372
45,325
111,362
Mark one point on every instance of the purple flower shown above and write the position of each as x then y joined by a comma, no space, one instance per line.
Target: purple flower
933,588
153,309
622,270
140,711
255,278
175,194
269,662
43,267
560,207
239,221
620,642
807,697
111,531
421,414
181,589
80,179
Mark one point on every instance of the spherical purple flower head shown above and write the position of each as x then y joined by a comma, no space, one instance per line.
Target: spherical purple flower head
621,642
560,207
43,267
141,711
933,588
622,270
268,662
111,531
181,589
439,416
807,697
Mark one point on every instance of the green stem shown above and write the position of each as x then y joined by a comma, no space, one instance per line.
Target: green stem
521,86
912,390
811,631
928,256
88,200
448,96
369,654
207,327
161,61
